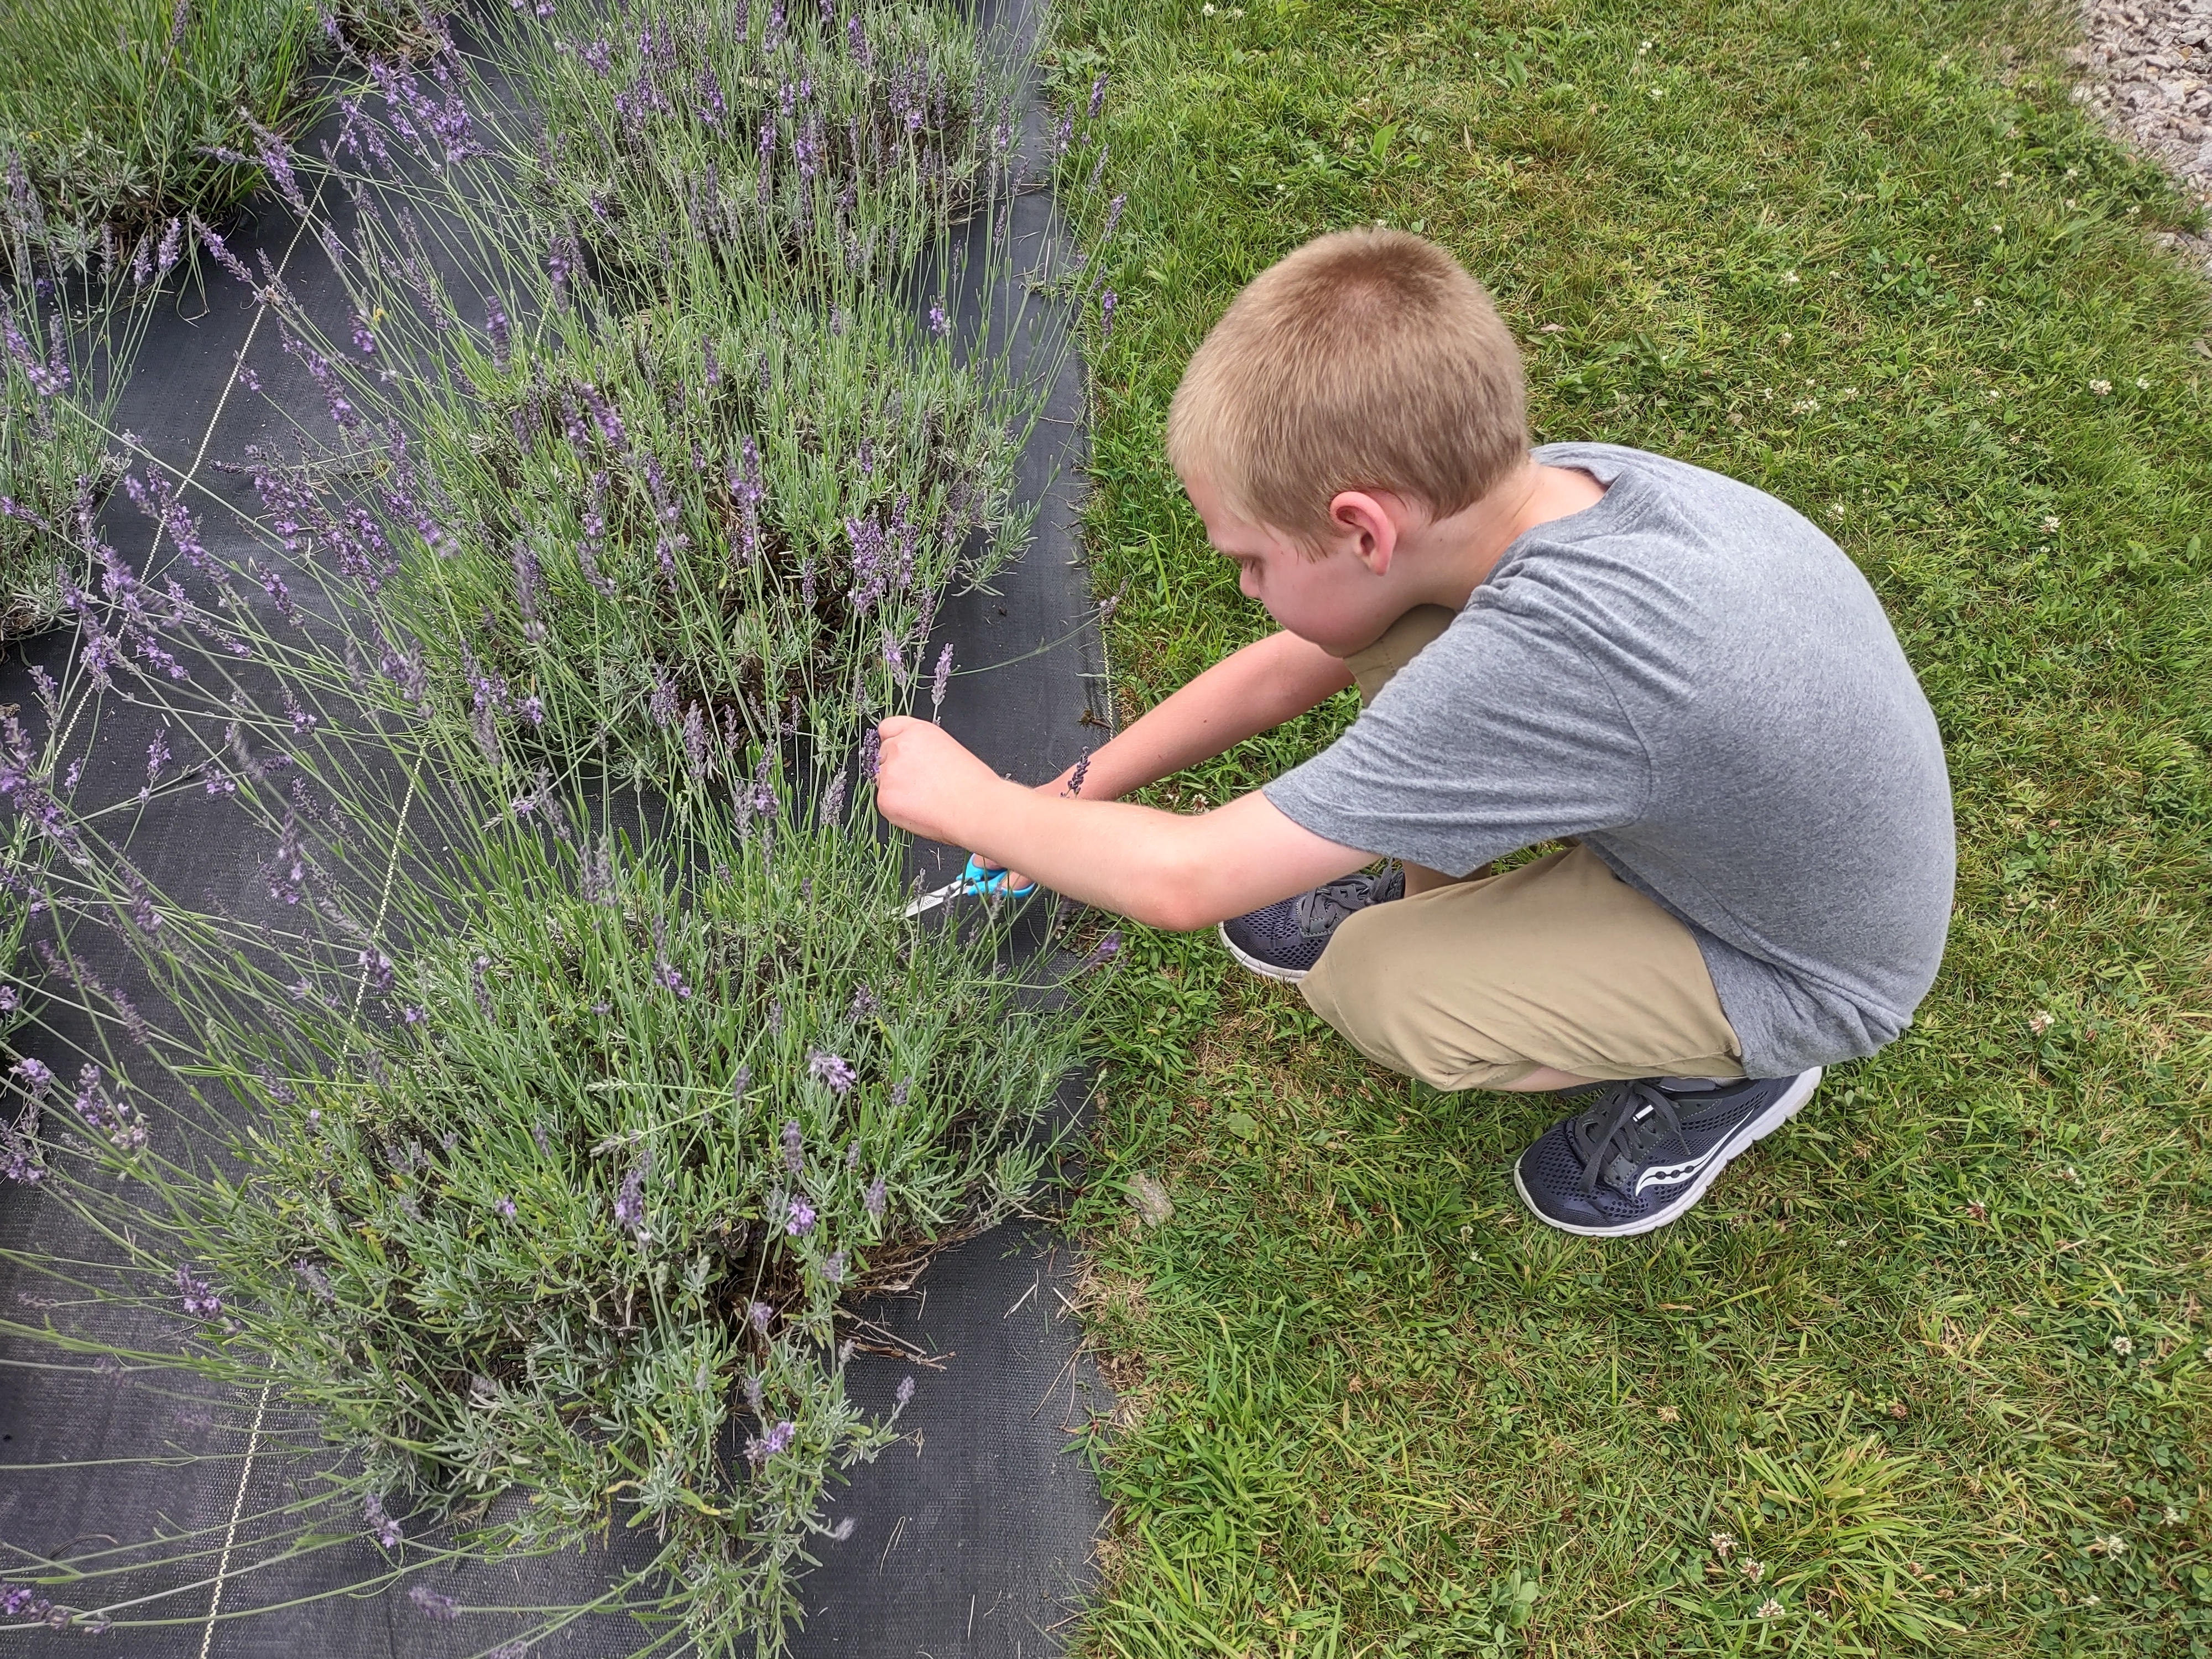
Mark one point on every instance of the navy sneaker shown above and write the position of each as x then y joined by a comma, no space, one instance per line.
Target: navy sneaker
1636,1155
1286,939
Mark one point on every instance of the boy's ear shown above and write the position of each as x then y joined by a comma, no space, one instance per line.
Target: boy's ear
1363,524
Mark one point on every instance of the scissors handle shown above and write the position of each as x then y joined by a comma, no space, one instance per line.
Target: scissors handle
990,883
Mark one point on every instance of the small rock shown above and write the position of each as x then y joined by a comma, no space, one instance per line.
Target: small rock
1151,1201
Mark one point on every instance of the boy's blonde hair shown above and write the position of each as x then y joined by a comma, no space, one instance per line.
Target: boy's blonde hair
1366,360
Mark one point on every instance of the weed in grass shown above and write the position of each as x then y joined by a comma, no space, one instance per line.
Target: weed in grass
1880,1358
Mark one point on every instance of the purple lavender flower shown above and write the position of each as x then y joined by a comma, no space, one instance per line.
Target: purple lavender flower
629,1199
794,1147
1107,301
220,252
833,1071
798,1218
1097,94
529,590
834,1268
939,324
739,1083
1104,952
505,1208
661,704
198,1296
777,1439
381,1527
698,750
870,578
941,680
871,751
1075,778
317,1281
905,1395
438,1610
364,337
498,330
761,1316
873,1198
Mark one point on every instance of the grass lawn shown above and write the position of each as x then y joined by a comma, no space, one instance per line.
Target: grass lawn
1928,1370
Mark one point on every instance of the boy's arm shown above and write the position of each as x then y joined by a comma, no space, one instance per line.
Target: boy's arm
1160,868
1248,692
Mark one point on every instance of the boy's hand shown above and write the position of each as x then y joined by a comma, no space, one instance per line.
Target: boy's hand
928,784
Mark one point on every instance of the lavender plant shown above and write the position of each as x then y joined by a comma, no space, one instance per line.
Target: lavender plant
67,339
846,135
651,529
535,1172
124,114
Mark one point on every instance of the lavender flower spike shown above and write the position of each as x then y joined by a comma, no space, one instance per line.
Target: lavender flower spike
833,1070
941,682
438,1610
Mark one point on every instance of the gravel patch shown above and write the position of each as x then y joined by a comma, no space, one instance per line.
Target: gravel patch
2148,67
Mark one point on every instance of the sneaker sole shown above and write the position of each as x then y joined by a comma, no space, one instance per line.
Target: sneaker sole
1784,1107
1264,969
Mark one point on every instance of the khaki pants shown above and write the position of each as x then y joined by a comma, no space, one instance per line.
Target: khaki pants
1555,963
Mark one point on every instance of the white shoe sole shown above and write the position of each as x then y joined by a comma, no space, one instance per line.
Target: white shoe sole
1264,969
1784,1107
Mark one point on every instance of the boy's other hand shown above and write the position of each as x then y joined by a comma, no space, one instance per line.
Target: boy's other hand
928,784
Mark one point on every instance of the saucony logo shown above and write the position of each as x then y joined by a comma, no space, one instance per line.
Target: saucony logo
1661,1175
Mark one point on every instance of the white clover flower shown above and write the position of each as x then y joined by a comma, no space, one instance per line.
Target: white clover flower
2143,382
2050,522
1770,1609
1790,279
2102,388
2173,1516
2123,1346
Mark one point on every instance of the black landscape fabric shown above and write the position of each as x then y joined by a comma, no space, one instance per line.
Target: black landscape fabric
974,1533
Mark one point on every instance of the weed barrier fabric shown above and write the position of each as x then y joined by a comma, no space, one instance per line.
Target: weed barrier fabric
974,1533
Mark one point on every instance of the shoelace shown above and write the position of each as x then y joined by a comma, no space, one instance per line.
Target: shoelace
1319,911
1627,1119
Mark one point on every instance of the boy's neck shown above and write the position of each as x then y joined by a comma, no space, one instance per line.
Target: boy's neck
1459,553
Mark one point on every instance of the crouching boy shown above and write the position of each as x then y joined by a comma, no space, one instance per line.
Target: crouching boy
1674,680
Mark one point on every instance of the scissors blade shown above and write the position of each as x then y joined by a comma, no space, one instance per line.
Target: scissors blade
936,897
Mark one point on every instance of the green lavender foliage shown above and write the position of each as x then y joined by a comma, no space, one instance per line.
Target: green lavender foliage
660,524
753,135
67,340
124,114
666,522
526,1169
47,444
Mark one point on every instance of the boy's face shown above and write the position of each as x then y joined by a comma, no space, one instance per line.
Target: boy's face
1340,600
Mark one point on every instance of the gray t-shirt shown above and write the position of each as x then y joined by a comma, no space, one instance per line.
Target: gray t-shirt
1692,679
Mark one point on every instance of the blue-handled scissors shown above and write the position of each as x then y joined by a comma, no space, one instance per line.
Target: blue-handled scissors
975,882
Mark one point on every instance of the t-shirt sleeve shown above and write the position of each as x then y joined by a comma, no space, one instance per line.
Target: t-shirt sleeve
1499,735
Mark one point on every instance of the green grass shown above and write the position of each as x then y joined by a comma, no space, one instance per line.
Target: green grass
1934,1357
